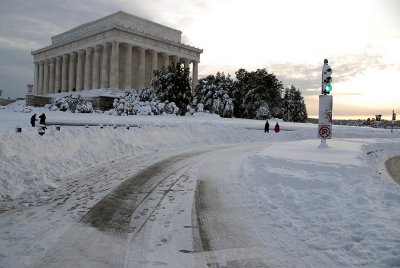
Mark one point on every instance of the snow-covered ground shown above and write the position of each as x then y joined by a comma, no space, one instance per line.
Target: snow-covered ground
335,206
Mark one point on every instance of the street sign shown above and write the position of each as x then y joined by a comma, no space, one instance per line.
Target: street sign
325,131
325,117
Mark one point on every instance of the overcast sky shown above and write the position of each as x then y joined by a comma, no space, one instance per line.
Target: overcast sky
290,38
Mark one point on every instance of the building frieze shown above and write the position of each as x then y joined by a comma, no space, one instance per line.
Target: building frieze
123,35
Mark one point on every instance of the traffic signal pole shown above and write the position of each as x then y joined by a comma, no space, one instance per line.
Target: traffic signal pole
325,105
393,119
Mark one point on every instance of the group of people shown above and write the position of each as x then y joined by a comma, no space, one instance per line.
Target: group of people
42,120
277,128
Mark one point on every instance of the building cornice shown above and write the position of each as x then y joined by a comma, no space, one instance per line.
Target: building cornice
117,26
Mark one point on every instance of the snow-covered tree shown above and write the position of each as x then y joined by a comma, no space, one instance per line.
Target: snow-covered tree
142,102
263,112
71,103
173,84
253,89
294,106
213,92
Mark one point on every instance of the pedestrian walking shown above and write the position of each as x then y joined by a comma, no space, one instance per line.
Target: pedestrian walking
266,128
33,120
43,120
277,128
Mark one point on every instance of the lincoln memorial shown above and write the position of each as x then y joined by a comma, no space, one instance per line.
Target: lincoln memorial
119,51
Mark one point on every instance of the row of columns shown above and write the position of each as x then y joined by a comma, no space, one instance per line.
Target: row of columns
99,67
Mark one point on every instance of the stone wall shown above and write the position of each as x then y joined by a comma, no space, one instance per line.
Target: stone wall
37,101
101,103
98,103
4,102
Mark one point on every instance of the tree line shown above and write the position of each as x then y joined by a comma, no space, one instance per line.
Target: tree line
253,95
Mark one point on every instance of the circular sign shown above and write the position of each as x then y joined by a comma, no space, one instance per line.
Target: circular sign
324,132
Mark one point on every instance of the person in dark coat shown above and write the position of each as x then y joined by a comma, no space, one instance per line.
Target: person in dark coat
266,128
33,120
43,120
277,128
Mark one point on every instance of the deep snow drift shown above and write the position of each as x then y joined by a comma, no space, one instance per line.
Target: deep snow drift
337,202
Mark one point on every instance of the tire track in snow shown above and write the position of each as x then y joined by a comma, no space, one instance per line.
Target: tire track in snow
99,239
393,168
230,218
224,243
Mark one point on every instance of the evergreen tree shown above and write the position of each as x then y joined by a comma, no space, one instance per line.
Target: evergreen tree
294,106
213,92
256,89
173,84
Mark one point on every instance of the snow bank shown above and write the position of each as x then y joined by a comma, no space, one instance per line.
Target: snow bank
32,163
336,151
333,203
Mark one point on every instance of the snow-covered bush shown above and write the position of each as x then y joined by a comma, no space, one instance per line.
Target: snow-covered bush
263,112
212,92
142,102
71,103
173,84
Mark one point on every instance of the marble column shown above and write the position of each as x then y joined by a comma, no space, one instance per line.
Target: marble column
142,67
88,69
195,75
36,78
128,67
79,71
114,65
185,63
166,60
96,68
72,72
51,75
40,87
46,78
104,66
154,62
57,84
64,73
174,60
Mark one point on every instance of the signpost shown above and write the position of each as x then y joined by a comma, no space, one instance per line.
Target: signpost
325,117
325,104
393,119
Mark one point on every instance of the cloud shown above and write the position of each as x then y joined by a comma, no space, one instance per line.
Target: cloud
307,77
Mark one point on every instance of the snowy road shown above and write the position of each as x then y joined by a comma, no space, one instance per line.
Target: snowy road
232,219
151,217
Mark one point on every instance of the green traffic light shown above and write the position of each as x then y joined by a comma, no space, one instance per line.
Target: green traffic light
328,88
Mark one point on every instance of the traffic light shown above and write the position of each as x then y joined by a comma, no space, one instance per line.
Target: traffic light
326,78
393,116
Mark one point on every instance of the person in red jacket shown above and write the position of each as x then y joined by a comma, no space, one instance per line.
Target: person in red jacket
277,128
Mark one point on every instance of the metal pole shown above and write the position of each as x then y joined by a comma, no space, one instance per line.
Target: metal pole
392,121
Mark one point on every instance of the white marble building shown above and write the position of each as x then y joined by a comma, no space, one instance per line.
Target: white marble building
119,51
